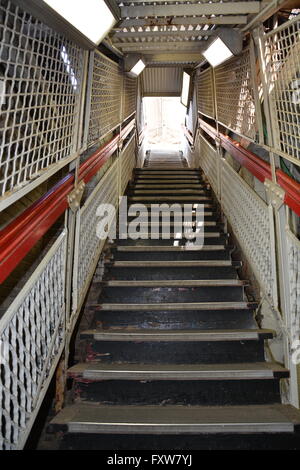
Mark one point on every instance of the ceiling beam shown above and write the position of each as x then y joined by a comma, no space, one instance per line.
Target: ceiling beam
145,34
171,57
171,21
229,8
195,46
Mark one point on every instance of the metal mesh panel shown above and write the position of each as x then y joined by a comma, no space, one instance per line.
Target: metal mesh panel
234,94
282,60
293,245
129,96
205,88
208,162
40,86
89,245
31,338
127,163
250,220
105,113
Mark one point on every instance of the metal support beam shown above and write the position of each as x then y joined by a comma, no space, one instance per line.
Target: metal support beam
146,34
171,21
194,46
229,8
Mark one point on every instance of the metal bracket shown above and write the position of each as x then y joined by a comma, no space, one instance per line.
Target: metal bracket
275,193
75,196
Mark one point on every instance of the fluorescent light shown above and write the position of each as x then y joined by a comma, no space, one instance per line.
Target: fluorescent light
185,88
138,67
217,53
92,18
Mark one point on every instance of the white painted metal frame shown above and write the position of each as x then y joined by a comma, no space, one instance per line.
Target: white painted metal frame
105,85
41,75
205,88
252,223
235,96
32,334
87,244
281,64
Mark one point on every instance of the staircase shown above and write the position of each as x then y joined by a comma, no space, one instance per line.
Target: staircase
175,359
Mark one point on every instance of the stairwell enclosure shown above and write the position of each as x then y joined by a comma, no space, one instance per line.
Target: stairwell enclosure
73,115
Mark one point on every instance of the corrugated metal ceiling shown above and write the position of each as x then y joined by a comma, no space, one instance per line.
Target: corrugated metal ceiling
162,81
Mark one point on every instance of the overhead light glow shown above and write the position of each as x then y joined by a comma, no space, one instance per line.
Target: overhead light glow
185,88
138,67
217,53
92,18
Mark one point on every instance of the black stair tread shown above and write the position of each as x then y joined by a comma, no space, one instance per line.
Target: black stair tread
173,283
171,185
149,419
177,335
126,371
178,190
175,198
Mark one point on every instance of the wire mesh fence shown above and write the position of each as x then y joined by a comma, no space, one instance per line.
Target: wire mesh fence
40,90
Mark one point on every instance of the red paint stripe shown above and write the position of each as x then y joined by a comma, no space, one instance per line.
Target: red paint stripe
17,239
258,167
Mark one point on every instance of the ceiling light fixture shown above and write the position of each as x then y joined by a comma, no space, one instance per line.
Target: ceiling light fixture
93,18
227,43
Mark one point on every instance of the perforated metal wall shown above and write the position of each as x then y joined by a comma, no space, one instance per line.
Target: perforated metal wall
251,222
40,87
106,89
205,89
129,96
208,162
88,244
235,96
127,158
31,341
282,63
293,245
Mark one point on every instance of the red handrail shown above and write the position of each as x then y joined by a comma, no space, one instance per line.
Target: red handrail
258,167
17,239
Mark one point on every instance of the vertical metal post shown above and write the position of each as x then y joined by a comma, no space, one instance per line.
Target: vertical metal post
217,140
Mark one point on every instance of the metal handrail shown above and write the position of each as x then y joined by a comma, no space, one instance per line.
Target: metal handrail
258,167
17,239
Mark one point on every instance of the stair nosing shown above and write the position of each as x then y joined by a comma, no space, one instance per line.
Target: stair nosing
178,336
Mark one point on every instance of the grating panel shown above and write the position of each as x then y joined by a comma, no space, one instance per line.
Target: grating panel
105,113
88,243
40,88
282,62
205,90
208,160
251,223
127,159
31,340
129,96
234,95
293,245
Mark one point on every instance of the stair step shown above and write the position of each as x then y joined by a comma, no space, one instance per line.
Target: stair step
244,371
167,192
176,283
159,295
159,186
159,248
174,335
178,306
176,419
175,198
173,264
